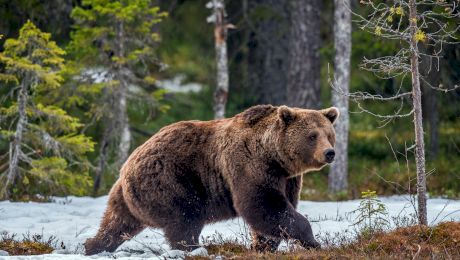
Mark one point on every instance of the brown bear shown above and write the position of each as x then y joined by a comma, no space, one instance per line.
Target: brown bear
192,173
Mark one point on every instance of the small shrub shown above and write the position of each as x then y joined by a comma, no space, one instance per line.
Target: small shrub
372,214
28,245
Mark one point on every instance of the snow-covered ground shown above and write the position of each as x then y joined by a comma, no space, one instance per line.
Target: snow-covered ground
72,220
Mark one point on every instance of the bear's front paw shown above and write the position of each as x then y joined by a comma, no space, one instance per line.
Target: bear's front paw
93,246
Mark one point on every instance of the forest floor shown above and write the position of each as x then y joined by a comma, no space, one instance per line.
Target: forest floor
66,223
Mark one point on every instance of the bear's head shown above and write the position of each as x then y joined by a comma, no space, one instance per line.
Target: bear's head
304,139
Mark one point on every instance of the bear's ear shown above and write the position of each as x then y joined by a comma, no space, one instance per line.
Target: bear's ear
286,115
331,113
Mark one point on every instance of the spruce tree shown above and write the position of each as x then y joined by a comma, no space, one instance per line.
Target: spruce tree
46,152
116,40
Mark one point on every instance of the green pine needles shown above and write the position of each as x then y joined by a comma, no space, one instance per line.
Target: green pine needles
47,154
372,214
48,151
116,39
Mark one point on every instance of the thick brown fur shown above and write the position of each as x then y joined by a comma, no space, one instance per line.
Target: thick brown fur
193,173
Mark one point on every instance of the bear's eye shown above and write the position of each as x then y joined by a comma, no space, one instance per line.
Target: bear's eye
312,137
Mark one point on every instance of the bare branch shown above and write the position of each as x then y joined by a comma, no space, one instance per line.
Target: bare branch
440,88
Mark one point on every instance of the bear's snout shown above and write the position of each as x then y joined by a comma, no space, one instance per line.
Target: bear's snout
329,154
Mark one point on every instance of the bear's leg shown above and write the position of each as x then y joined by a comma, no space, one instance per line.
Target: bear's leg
183,236
117,225
269,212
263,243
293,187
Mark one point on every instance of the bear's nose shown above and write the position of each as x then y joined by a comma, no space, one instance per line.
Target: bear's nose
329,154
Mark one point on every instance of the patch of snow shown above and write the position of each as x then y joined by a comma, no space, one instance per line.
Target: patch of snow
97,75
3,253
173,254
201,251
74,219
176,85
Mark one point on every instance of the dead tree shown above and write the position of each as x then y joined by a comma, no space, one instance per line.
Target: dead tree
342,42
418,117
15,146
220,38
402,20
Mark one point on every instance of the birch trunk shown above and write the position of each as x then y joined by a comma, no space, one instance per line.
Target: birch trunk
342,41
303,88
220,37
16,143
418,119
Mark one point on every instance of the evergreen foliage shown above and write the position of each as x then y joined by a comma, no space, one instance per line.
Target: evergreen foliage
115,41
113,49
44,140
372,214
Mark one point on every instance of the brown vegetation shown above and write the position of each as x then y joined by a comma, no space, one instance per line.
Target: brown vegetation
29,245
414,242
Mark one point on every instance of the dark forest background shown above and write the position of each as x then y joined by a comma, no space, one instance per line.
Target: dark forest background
259,52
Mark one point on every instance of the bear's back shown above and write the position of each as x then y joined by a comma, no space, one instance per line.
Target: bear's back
185,143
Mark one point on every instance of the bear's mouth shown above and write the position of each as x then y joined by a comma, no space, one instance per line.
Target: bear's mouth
329,161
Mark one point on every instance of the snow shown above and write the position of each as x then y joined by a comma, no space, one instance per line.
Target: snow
199,252
177,85
74,219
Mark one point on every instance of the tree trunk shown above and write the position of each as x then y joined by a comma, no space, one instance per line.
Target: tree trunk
268,23
122,110
220,37
418,119
342,41
125,133
102,158
16,143
303,88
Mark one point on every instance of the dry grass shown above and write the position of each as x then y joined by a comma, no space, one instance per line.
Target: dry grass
414,242
442,240
28,245
227,249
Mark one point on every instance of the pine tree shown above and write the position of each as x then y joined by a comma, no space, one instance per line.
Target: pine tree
46,154
372,214
117,40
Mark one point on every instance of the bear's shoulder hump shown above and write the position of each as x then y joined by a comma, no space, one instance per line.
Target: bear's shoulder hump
254,114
